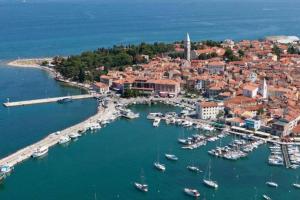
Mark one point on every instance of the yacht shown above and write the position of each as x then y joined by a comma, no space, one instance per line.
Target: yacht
207,127
129,114
153,115
141,187
40,151
156,122
271,184
192,192
74,135
207,181
159,166
64,140
171,157
5,169
193,168
266,197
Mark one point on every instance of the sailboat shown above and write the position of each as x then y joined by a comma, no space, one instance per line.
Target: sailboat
297,184
271,183
141,186
158,165
207,181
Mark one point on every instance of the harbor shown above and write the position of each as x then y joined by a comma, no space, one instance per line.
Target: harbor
163,138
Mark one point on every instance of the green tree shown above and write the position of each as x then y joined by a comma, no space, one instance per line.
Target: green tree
276,50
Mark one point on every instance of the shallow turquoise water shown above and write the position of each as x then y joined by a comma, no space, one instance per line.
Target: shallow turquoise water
107,162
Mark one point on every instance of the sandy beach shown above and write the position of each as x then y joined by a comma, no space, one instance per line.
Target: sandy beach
30,62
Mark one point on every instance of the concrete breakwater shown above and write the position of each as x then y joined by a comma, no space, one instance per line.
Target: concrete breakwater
52,139
46,100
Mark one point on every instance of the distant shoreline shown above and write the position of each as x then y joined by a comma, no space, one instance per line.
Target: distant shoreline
36,63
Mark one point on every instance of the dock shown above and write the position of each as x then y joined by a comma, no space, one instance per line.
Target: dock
52,139
46,100
286,157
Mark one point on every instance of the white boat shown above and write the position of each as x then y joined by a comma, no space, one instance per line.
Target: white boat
271,184
192,192
159,166
64,140
297,184
41,151
141,187
171,157
74,135
193,168
153,115
207,127
266,197
5,169
156,122
208,181
94,126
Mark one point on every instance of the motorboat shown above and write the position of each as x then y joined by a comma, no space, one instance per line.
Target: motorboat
141,187
74,135
271,184
191,192
266,197
6,169
159,166
193,168
40,151
171,157
153,115
64,140
156,122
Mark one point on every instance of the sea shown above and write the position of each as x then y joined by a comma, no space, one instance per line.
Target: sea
104,164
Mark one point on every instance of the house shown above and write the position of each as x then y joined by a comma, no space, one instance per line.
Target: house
250,90
216,67
101,88
252,124
209,110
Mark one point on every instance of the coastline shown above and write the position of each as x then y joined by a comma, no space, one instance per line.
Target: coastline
36,63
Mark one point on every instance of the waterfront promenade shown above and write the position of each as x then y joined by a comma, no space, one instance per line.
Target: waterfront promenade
53,138
46,100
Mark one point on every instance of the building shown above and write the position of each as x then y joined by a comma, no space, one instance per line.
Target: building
252,124
162,87
250,90
216,67
187,48
101,88
209,110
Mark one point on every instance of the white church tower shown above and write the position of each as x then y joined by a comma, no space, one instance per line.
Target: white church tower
187,48
264,89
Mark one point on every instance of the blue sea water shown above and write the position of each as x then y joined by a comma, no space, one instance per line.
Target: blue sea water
107,162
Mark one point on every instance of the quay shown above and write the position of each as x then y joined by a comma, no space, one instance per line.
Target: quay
103,114
46,100
286,157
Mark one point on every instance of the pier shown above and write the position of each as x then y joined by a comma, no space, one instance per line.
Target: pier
286,157
46,100
52,139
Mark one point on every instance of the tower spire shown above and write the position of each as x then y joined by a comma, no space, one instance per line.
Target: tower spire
187,47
